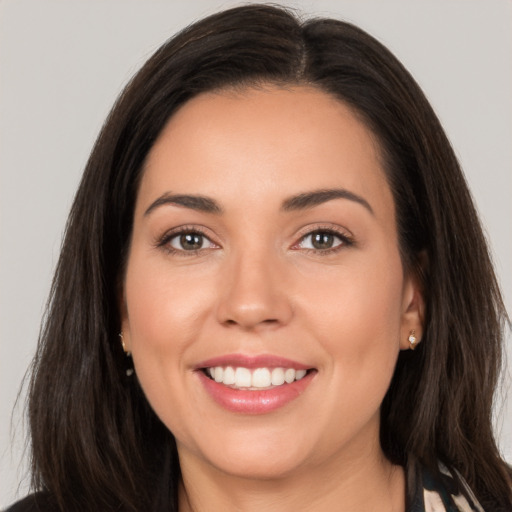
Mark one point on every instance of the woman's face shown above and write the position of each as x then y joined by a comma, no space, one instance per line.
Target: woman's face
265,301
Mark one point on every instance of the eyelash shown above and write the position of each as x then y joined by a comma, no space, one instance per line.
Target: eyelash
345,239
164,241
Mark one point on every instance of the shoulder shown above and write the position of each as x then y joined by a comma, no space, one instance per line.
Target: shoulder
38,502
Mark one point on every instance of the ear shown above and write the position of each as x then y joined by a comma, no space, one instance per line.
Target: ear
413,311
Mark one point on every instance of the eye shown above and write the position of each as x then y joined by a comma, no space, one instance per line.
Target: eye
189,240
323,240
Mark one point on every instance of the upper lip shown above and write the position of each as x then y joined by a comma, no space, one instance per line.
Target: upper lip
252,362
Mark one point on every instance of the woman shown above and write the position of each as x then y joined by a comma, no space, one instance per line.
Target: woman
274,291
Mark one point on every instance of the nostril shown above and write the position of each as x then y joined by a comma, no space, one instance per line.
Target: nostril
251,325
252,309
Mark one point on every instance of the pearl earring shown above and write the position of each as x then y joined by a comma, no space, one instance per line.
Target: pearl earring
129,371
412,339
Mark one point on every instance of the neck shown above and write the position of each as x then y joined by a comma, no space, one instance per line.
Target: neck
364,482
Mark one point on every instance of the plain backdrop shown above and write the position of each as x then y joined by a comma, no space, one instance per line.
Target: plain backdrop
63,62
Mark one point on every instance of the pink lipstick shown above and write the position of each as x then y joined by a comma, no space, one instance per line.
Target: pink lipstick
253,384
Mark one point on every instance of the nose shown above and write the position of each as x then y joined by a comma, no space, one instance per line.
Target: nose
253,294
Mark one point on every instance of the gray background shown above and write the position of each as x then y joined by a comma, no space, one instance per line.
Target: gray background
63,62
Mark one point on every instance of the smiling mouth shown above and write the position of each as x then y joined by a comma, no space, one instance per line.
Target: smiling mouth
256,379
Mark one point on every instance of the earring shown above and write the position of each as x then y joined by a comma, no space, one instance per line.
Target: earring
127,352
412,339
130,370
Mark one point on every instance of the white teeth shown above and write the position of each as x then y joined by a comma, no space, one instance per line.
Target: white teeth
277,376
243,378
219,373
299,374
289,375
259,378
229,376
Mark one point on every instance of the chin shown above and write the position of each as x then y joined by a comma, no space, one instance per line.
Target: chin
259,467
247,455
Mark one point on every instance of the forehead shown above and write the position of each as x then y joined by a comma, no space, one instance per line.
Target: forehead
264,142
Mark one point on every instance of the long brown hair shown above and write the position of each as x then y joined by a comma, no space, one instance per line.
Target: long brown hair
96,443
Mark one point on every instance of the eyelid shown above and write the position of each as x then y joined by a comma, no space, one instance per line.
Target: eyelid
346,237
342,233
163,241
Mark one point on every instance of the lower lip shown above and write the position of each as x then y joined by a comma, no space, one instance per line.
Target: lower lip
255,402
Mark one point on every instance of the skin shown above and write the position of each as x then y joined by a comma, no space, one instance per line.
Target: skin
258,286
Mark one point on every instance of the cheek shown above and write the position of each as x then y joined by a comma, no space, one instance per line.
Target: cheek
161,322
355,314
359,332
363,297
164,308
164,316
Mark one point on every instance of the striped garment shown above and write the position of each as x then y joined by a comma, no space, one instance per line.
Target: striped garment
444,493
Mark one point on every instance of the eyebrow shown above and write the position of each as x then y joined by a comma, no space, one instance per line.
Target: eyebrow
194,202
317,197
301,201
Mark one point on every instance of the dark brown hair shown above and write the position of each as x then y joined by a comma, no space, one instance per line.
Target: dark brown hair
96,443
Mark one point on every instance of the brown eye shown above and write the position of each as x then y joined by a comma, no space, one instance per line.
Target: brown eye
189,241
322,241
